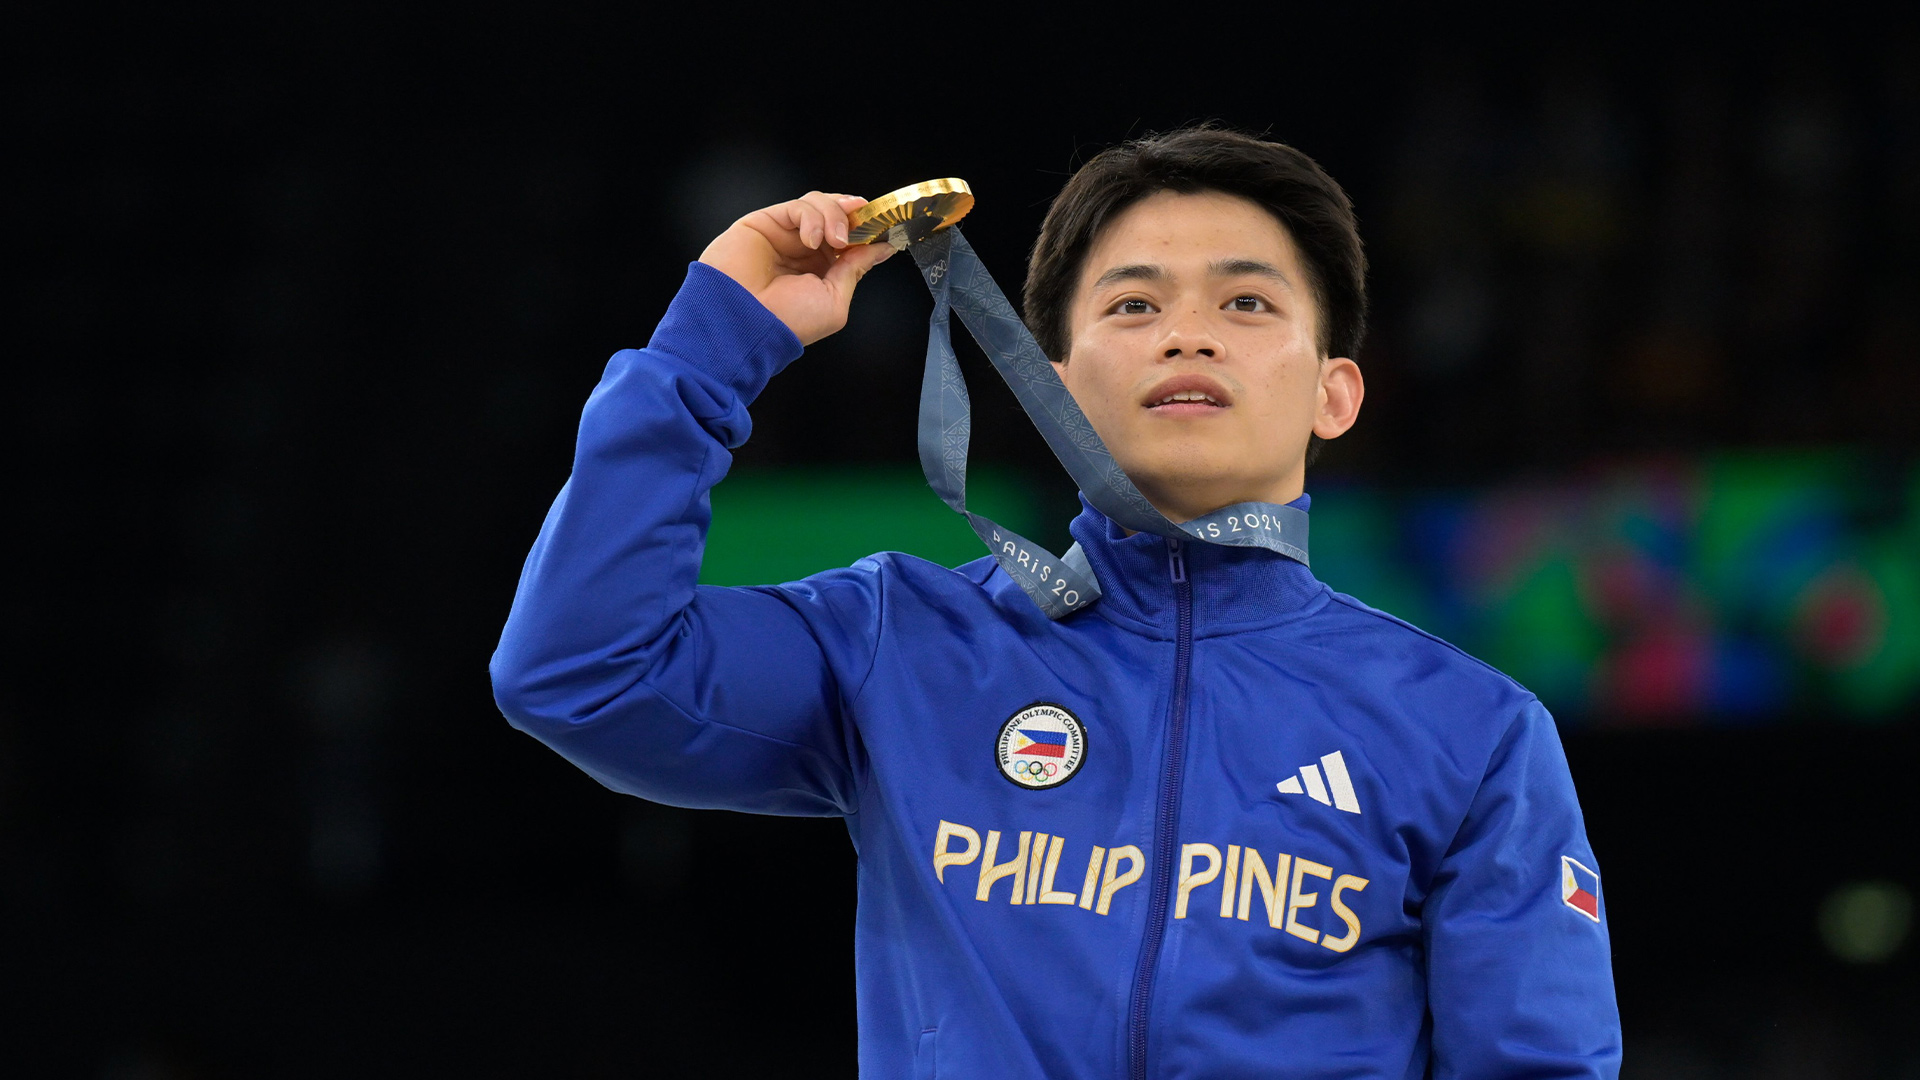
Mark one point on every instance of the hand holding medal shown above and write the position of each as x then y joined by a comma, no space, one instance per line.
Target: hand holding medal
796,259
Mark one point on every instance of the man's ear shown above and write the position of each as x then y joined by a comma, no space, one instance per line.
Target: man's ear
1341,390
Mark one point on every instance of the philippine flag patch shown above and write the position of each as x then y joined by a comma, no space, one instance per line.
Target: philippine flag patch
1041,746
1579,888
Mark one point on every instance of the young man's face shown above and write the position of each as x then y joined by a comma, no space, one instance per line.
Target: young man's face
1193,352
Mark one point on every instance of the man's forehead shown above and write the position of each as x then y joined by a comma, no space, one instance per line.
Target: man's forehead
1233,234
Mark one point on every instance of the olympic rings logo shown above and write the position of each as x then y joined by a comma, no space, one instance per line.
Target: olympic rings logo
1041,746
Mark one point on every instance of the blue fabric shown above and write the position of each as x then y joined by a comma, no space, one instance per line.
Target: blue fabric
877,693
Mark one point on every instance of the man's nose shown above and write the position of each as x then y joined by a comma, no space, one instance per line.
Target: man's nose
1189,334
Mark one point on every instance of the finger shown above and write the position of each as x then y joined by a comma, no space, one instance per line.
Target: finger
833,216
848,204
812,222
853,264
805,217
783,224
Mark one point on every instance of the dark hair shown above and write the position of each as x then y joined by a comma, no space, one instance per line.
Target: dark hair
1317,215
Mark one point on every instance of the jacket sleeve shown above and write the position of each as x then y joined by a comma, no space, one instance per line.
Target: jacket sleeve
612,655
1519,977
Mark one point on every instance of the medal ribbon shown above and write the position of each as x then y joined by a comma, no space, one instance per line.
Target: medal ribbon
1065,584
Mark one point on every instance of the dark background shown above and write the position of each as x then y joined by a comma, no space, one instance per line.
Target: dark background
306,304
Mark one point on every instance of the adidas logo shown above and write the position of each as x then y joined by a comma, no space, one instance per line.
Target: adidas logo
1337,782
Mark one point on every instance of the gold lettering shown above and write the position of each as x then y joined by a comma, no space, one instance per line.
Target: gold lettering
942,858
1048,895
1226,889
1273,890
991,872
1033,867
1093,876
1115,881
1302,867
1189,880
1357,884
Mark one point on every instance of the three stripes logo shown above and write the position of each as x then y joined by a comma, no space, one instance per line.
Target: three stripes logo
1334,789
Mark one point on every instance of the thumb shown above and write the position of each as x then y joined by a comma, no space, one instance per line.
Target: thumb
853,264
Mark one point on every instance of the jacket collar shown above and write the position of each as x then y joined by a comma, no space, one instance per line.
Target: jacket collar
1234,588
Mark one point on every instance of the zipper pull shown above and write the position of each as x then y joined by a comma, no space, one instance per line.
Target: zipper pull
1176,561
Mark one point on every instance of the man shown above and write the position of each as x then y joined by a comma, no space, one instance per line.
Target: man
1223,823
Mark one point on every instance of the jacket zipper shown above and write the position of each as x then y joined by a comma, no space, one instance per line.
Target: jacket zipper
1167,819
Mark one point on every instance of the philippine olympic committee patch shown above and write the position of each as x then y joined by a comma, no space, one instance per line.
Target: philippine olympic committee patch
1041,746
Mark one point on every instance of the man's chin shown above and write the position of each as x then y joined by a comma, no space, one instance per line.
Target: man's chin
1185,494
1185,497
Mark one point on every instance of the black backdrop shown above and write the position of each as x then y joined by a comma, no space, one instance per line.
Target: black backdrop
306,303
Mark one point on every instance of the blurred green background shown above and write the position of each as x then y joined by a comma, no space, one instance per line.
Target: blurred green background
832,517
1732,587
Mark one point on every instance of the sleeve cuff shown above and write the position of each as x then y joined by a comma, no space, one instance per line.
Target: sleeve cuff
717,327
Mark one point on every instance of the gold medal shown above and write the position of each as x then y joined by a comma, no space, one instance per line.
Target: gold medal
911,214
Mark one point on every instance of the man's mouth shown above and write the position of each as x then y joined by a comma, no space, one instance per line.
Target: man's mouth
1189,394
1198,397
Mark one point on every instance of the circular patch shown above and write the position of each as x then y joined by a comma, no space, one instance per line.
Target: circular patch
1041,746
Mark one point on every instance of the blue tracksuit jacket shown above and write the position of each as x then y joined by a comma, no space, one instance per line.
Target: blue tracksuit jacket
1285,835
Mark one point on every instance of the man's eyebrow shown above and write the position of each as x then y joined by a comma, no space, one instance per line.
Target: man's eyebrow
1130,272
1253,267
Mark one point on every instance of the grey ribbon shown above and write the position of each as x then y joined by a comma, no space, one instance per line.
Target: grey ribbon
1065,584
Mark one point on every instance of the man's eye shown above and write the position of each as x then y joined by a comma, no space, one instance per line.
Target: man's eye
1133,307
1247,303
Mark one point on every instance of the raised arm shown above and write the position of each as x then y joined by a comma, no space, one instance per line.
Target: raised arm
1519,970
684,694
